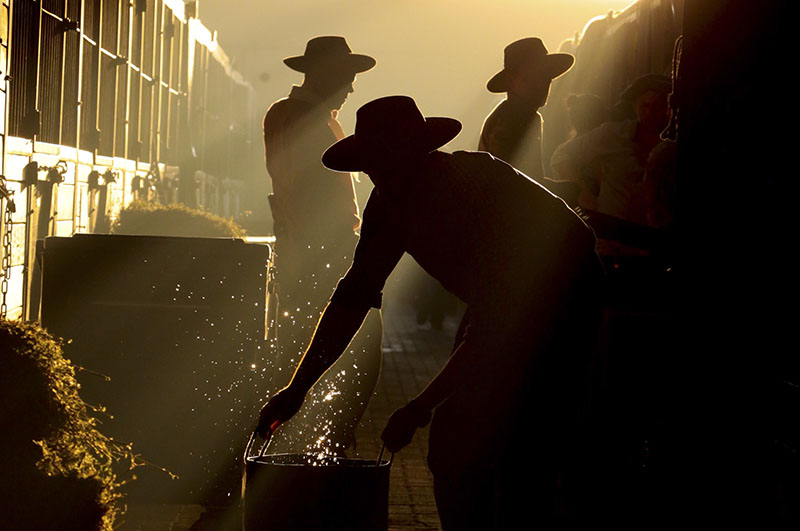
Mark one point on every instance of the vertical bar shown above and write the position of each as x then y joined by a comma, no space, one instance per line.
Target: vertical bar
135,103
206,55
117,74
29,234
36,89
63,69
77,198
5,78
109,74
71,77
25,35
128,74
159,103
155,39
51,71
91,97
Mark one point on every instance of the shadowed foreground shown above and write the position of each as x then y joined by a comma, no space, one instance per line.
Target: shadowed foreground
412,356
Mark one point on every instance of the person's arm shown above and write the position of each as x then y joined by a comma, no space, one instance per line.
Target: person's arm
375,256
457,369
337,326
404,422
570,163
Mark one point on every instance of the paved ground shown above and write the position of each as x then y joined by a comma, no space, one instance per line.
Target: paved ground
413,354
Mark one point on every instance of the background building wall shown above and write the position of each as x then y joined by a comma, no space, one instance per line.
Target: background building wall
112,100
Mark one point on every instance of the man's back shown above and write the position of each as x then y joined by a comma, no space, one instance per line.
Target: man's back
473,222
309,200
513,133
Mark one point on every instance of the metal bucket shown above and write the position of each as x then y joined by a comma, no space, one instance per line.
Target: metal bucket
294,492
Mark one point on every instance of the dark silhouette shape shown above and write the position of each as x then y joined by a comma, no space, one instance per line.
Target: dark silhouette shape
509,399
315,218
585,112
513,130
609,162
656,201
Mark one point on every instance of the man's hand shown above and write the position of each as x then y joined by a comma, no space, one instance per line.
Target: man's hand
403,424
278,409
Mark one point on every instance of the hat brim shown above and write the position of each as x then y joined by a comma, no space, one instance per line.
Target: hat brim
348,154
553,66
354,62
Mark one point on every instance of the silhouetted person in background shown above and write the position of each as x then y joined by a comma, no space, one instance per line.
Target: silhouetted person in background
315,218
585,113
508,400
513,130
609,161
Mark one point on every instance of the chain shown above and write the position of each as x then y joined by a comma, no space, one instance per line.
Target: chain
5,270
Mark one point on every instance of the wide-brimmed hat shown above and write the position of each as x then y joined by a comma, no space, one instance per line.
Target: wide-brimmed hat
646,83
329,51
390,126
529,53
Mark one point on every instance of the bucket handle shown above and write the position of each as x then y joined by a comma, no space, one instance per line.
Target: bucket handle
253,440
380,456
263,449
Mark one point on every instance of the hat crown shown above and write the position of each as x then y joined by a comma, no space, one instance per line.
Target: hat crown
524,52
329,51
389,132
327,46
647,82
390,121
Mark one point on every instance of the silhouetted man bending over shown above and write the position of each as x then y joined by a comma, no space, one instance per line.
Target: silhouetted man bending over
507,399
315,218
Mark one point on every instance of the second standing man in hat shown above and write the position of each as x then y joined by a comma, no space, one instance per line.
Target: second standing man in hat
315,218
513,130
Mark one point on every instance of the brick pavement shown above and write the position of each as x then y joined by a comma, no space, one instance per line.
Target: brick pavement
413,354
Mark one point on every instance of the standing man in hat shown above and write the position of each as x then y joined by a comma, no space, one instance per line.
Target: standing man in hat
315,218
508,399
513,130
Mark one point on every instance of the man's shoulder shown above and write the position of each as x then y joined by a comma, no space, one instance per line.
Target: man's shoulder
511,121
476,162
287,108
468,156
499,112
276,111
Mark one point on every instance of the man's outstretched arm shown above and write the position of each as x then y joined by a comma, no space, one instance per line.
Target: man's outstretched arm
337,326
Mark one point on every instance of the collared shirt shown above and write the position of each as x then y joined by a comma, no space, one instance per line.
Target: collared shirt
609,163
310,202
489,234
513,132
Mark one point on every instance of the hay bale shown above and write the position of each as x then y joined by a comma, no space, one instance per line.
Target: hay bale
61,471
154,219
